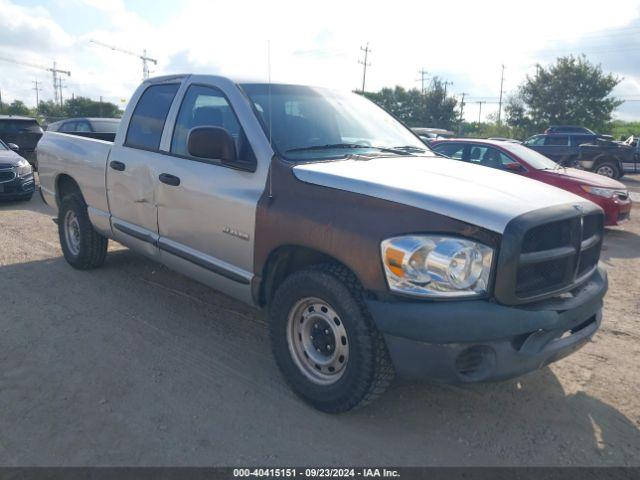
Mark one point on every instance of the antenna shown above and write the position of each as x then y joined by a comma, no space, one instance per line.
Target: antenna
270,124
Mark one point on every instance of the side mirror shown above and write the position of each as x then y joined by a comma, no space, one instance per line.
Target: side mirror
514,167
13,147
212,142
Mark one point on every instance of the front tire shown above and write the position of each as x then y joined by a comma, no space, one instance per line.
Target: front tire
325,342
608,169
82,246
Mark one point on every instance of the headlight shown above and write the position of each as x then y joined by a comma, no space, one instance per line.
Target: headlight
602,192
436,266
23,168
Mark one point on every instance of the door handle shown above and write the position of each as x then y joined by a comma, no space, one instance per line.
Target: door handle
169,179
119,166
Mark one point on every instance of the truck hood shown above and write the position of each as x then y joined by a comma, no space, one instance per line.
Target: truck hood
471,193
586,178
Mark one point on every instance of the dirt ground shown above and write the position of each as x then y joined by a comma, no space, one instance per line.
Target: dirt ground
135,365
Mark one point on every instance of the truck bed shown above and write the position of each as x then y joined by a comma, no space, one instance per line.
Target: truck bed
83,159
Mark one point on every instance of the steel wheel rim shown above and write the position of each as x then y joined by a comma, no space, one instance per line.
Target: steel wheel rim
317,340
72,232
605,171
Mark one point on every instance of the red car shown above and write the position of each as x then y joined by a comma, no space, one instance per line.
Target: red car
610,194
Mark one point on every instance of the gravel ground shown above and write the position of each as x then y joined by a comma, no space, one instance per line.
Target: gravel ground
135,365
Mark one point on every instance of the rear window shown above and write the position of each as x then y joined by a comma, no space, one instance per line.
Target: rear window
147,121
102,126
19,126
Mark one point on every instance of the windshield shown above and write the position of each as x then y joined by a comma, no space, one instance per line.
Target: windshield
533,158
3,146
310,123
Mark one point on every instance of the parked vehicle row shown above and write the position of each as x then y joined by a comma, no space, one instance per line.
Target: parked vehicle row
16,175
370,253
589,151
99,128
610,194
25,132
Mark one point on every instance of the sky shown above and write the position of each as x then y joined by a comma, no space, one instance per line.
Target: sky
318,43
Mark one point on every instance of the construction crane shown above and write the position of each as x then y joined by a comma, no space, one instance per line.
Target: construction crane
56,72
145,59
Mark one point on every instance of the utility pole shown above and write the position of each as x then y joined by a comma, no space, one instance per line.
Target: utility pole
462,106
480,102
37,88
0,100
423,77
364,64
445,87
461,113
500,102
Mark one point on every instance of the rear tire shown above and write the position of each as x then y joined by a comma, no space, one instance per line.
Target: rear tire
325,342
608,169
82,246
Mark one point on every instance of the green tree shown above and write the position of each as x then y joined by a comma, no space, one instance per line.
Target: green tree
85,107
571,91
433,108
17,107
50,109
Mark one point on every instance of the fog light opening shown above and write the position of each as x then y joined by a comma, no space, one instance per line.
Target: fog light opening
476,363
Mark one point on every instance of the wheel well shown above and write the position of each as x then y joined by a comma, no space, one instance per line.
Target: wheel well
65,185
286,260
607,158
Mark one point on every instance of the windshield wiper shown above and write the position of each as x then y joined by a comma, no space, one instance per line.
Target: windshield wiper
337,146
410,148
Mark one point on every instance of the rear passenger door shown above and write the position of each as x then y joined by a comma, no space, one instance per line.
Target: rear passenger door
132,180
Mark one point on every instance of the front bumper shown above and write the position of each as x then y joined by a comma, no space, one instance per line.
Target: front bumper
19,187
472,341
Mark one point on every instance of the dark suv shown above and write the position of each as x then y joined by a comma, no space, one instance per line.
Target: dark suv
569,129
589,151
22,131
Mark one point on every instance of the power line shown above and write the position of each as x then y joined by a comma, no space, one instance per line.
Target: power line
365,64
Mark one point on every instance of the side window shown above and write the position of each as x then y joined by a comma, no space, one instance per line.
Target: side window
489,157
451,150
207,106
578,140
147,121
557,140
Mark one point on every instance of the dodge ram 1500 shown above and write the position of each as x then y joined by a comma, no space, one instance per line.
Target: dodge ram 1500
369,256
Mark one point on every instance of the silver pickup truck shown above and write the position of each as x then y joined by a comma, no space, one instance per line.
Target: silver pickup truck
371,254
